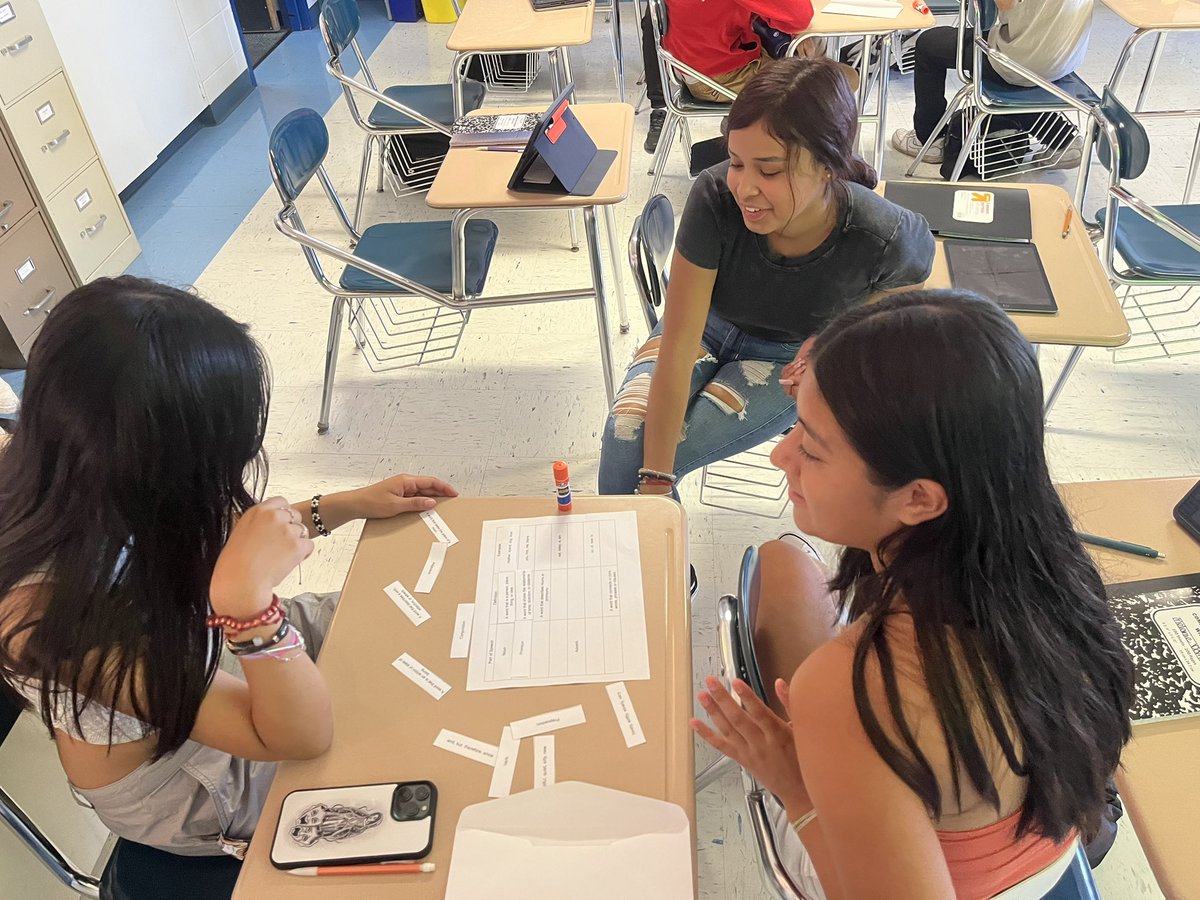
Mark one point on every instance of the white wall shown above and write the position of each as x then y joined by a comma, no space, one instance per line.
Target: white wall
144,69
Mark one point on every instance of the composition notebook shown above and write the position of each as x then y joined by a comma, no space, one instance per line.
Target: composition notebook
1010,274
1160,627
954,211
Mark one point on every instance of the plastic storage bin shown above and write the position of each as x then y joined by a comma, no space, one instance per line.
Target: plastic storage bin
406,10
440,10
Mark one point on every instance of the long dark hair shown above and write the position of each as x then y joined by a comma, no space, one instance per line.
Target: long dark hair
806,103
143,416
1009,612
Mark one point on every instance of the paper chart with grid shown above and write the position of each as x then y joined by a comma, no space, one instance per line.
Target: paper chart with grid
559,601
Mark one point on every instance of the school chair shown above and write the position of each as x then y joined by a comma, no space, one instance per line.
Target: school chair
650,243
397,283
133,871
410,123
996,149
1066,878
681,105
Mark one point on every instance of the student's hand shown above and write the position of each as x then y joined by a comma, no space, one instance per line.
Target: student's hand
398,494
789,376
268,541
754,736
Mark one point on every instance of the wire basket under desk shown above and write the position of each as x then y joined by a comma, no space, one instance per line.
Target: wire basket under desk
510,73
1163,322
402,332
746,483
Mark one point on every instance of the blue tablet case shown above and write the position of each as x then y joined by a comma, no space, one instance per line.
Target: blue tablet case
561,157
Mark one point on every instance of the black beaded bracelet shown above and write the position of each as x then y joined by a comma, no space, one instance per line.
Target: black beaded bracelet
255,644
316,517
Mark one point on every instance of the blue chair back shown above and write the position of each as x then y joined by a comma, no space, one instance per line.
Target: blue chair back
297,148
748,579
1133,144
657,228
339,24
987,15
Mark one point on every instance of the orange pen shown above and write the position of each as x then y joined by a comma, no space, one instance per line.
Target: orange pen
370,869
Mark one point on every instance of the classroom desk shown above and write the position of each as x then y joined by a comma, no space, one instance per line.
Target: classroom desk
472,181
1089,314
1157,17
513,26
875,34
385,726
1157,782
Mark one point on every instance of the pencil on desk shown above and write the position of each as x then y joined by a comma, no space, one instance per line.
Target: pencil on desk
1067,221
366,869
1123,546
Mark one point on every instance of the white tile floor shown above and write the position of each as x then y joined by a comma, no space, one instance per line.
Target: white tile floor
525,387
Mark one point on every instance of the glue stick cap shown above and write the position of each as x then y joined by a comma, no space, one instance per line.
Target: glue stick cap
560,471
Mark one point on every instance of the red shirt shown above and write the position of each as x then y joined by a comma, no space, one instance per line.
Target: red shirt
715,37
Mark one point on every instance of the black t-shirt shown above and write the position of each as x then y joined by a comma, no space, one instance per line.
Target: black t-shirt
875,246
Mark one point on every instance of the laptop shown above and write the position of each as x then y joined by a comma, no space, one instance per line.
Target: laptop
965,211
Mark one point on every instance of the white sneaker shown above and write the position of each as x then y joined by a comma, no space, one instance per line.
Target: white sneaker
1070,158
908,144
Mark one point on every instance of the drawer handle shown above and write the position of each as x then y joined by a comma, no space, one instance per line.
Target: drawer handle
17,46
40,306
92,229
5,209
58,141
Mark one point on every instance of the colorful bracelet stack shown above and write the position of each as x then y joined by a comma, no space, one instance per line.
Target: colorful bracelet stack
284,646
269,616
654,477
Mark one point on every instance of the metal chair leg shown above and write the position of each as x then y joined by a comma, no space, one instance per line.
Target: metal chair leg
331,351
574,226
1076,352
952,107
610,225
641,99
1160,44
363,173
618,50
714,771
659,160
968,143
382,161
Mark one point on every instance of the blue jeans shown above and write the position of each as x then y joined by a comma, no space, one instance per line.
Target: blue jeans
735,403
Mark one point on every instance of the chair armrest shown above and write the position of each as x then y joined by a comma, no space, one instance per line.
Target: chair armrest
317,245
776,878
1157,217
347,81
669,58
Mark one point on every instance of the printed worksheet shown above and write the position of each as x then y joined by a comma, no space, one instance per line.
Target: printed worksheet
558,601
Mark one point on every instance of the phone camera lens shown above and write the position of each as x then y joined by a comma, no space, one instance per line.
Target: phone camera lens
421,792
406,794
410,810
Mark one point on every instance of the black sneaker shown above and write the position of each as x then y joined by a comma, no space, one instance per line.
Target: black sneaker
657,118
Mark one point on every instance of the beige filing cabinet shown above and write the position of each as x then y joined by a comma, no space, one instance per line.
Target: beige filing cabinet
61,222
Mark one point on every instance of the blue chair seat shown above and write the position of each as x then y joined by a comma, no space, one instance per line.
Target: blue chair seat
1150,251
1001,93
433,100
420,251
688,103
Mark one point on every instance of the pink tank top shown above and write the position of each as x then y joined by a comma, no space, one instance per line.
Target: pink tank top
985,861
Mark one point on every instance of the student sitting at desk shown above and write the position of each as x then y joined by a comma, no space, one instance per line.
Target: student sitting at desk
1048,37
131,522
771,245
960,729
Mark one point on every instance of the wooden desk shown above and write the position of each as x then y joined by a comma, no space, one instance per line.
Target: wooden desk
876,35
385,725
1089,314
1158,783
472,180
1155,17
507,26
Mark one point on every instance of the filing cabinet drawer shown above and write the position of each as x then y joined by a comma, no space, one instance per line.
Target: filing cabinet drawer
48,127
15,199
33,278
27,51
87,216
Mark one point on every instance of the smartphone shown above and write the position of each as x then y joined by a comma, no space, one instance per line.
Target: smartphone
365,823
1187,511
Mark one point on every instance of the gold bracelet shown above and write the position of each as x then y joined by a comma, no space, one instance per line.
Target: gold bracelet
803,820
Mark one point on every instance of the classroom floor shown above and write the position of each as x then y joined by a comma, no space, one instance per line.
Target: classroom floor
525,387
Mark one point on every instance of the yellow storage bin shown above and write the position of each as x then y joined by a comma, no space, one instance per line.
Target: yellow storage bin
440,11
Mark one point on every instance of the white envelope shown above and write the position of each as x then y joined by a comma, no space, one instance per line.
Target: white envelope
571,840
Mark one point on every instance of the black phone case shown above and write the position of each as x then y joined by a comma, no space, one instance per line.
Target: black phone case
1187,512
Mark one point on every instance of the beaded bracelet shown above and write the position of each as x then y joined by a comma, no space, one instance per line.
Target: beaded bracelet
805,819
653,475
316,516
243,648
269,616
285,651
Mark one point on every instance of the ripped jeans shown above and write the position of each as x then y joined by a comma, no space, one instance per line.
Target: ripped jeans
735,403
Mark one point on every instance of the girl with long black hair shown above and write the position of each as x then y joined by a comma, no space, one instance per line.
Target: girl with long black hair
958,732
135,551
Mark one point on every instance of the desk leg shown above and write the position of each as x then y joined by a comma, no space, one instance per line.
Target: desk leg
560,74
885,68
1160,43
614,255
1114,81
1076,352
458,69
618,49
593,240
